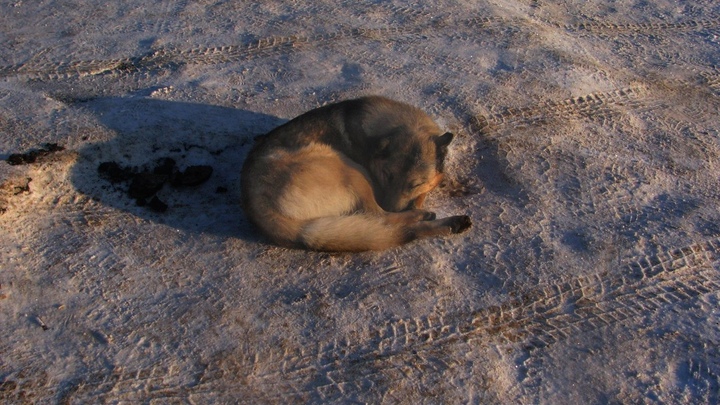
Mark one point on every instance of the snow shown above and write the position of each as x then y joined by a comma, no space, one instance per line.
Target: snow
586,153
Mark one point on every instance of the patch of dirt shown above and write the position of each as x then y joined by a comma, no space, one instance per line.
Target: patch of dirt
34,155
143,184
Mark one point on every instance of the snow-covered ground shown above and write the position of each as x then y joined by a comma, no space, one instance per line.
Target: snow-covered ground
587,154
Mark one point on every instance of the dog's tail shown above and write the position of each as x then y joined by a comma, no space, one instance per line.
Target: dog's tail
366,231
358,232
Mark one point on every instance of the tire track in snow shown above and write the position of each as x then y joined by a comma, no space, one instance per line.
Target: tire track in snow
659,28
587,106
164,58
276,45
698,371
712,79
536,318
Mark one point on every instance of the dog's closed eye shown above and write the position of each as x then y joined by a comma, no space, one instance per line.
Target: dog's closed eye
414,185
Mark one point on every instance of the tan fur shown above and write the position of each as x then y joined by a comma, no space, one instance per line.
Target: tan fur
350,176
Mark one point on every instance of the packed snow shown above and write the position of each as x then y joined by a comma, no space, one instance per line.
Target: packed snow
586,152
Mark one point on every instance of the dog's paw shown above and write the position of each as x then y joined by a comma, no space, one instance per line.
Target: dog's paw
422,215
460,223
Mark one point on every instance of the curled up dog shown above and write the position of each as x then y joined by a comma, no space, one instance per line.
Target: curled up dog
350,176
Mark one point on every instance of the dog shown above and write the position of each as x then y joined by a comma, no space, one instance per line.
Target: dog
349,176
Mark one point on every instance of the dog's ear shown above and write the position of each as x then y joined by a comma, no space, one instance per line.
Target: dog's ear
381,147
441,147
443,140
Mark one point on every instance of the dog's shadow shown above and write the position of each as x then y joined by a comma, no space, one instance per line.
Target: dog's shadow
150,131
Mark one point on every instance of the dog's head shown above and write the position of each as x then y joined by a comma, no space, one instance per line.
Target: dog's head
406,166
